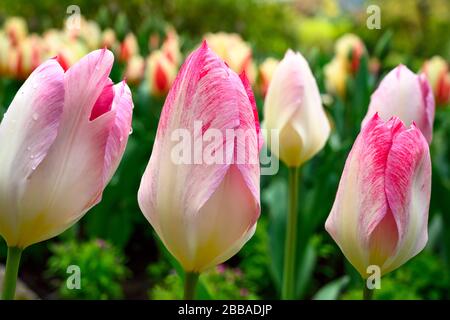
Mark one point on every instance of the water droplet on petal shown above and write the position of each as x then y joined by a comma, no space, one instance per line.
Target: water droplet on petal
35,116
28,148
131,131
32,156
33,168
121,139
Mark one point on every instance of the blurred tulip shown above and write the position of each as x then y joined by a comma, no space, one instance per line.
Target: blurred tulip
128,48
380,214
109,39
5,51
266,70
204,213
134,71
27,57
160,73
91,34
16,29
235,51
293,107
171,47
61,141
336,77
349,49
437,71
407,96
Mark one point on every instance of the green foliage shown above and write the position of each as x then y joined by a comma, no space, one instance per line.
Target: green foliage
102,269
221,282
425,276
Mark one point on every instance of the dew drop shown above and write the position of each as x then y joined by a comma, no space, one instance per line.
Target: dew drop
131,131
121,139
33,168
28,148
35,116
32,156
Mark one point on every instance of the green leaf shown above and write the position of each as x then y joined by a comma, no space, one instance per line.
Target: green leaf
332,290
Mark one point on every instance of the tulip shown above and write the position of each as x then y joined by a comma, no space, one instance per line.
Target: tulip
204,212
336,77
27,57
407,96
293,107
134,71
380,214
16,29
171,47
160,72
350,48
437,71
266,70
5,51
61,141
128,48
109,39
235,51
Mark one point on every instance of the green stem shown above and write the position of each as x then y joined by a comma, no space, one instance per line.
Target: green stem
12,270
367,293
190,284
290,245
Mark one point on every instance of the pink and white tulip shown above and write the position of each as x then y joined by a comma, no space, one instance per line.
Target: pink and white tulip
407,96
380,214
204,212
61,141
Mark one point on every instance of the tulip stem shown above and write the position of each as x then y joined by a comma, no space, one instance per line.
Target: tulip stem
367,293
12,270
290,245
190,284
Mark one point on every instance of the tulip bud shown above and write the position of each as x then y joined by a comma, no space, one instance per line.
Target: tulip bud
5,50
293,107
437,71
28,57
171,47
61,141
407,96
16,29
134,71
109,39
349,49
266,70
129,47
160,73
336,77
203,211
380,214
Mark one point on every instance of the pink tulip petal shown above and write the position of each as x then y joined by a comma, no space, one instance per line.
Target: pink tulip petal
104,101
408,188
122,105
27,132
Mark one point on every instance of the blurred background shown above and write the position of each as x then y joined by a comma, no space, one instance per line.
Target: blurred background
114,245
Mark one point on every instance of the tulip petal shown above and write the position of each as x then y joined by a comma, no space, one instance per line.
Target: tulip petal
408,189
75,163
122,105
27,132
